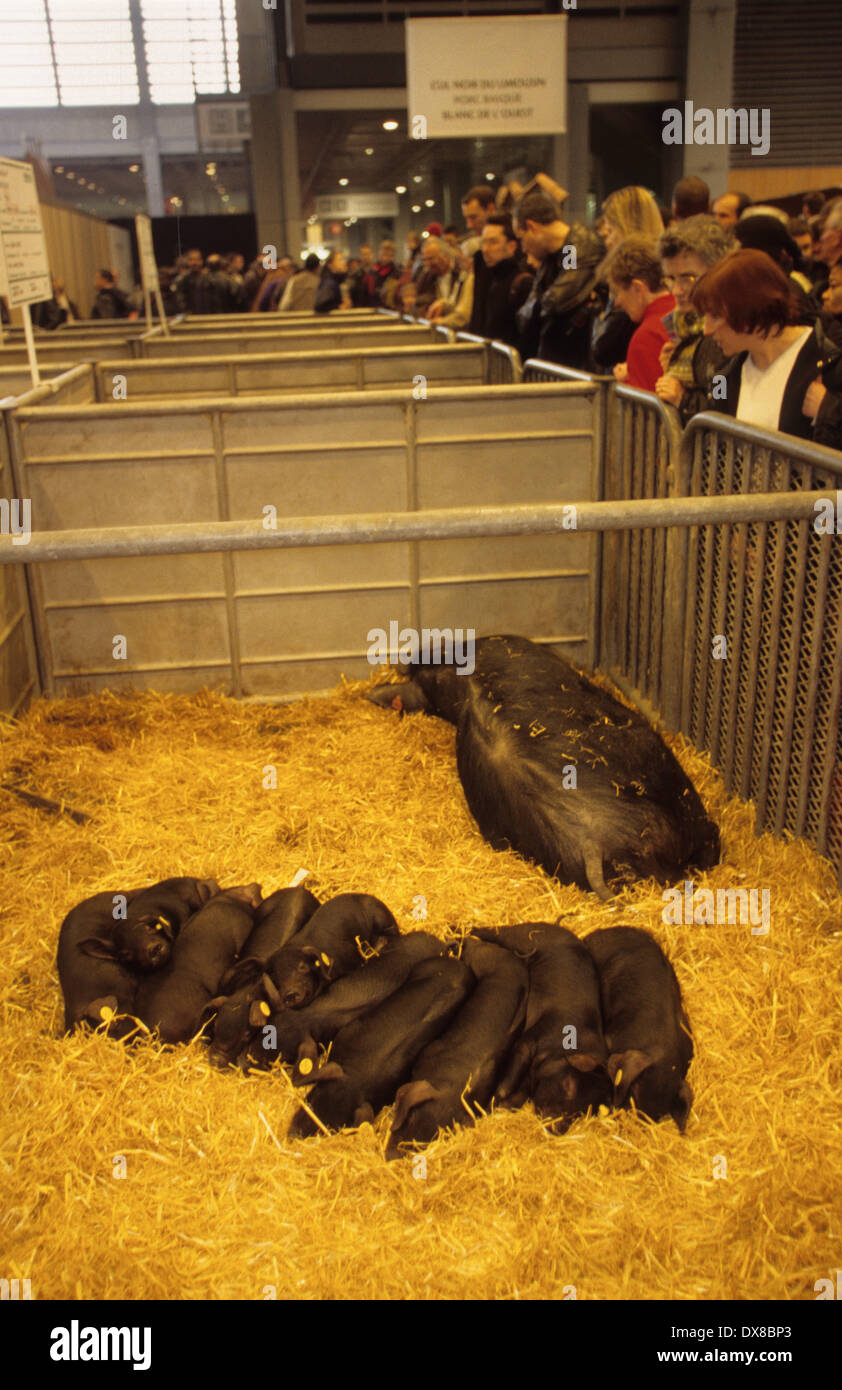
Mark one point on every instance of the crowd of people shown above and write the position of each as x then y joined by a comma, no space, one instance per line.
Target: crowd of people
721,304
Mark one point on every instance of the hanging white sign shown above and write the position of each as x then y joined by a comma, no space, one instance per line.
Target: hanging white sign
501,76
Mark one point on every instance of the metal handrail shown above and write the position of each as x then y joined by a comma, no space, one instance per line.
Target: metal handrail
797,450
433,524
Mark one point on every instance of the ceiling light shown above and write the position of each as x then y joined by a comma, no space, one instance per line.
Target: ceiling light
417,178
369,150
390,125
134,168
343,183
70,175
429,202
59,169
400,187
416,207
491,176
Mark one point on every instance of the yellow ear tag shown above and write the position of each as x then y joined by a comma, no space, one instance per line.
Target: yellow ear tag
603,1111
325,959
160,923
264,1008
619,1076
305,1066
106,1013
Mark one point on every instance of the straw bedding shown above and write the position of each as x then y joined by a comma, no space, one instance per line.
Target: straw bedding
215,1203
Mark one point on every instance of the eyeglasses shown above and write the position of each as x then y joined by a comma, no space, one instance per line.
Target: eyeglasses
686,281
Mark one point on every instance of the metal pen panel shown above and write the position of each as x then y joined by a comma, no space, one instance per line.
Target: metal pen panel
769,709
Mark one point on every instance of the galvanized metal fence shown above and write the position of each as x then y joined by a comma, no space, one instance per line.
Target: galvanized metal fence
762,631
283,624
502,363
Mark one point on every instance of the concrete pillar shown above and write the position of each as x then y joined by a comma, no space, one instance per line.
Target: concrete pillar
153,178
290,177
275,177
570,158
710,81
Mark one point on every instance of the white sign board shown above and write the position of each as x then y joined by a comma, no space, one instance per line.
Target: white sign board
149,270
358,205
222,125
501,76
146,252
24,263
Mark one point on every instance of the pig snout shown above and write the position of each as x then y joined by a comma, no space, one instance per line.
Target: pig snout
295,976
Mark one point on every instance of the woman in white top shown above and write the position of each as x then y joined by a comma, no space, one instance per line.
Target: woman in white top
782,375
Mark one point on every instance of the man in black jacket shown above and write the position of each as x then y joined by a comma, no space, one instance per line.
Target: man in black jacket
110,302
505,286
554,321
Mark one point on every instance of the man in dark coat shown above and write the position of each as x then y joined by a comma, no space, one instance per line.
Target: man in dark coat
554,322
505,286
110,302
193,289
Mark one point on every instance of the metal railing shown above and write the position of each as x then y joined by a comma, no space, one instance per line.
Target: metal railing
638,592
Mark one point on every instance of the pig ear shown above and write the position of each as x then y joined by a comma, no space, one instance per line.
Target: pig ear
244,972
207,888
331,1071
412,1094
259,1012
624,1068
212,1006
403,696
584,1061
95,946
270,991
680,1108
515,1069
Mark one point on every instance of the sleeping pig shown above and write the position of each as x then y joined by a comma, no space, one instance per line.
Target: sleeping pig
561,1060
371,1057
646,1029
560,770
94,983
172,999
327,947
462,1064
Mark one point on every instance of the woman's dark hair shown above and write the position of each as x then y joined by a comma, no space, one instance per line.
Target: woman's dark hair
312,262
749,291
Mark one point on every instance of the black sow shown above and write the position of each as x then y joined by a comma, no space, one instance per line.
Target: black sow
646,1029
559,770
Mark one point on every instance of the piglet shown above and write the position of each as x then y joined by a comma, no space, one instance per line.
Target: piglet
172,999
327,947
646,1029
296,1033
561,1060
143,940
462,1064
241,1006
372,1056
94,983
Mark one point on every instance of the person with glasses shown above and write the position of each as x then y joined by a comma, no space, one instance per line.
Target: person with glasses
689,360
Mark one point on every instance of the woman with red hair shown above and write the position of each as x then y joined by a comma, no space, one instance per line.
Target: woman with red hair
783,375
